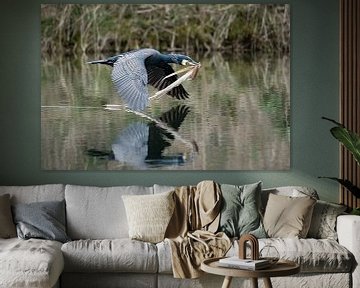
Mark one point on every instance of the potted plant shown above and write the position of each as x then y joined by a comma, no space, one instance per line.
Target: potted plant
351,142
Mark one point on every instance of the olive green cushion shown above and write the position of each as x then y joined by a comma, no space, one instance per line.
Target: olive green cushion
240,213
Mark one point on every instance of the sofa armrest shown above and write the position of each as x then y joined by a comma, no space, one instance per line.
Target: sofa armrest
348,230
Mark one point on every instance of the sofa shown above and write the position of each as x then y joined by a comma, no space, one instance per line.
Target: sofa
99,253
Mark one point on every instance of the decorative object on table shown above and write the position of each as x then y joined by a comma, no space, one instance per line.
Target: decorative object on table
241,261
269,253
351,142
247,264
254,246
282,268
254,268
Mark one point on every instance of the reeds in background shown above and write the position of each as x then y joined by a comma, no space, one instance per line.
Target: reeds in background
109,28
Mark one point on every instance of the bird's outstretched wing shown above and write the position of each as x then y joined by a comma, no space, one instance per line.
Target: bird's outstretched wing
157,71
130,79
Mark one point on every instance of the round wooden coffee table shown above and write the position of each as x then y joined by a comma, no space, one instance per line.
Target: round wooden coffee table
281,268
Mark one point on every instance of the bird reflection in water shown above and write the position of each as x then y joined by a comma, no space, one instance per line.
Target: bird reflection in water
142,145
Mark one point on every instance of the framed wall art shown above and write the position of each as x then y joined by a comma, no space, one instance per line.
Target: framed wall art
228,108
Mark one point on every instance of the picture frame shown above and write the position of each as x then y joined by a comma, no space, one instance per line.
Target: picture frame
237,115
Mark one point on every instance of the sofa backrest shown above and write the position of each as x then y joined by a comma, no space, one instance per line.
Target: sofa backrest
162,188
98,212
35,193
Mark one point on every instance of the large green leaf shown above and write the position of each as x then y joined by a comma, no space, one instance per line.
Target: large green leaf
347,184
349,139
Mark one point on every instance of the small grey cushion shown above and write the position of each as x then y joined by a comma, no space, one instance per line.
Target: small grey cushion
323,222
240,213
43,220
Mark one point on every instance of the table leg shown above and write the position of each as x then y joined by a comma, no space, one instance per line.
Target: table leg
267,283
227,282
254,282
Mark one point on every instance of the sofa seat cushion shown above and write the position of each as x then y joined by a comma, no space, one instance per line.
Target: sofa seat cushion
110,255
164,257
313,255
30,263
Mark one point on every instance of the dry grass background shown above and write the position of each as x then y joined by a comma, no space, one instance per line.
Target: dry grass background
105,28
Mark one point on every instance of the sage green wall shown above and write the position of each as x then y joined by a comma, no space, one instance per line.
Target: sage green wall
314,93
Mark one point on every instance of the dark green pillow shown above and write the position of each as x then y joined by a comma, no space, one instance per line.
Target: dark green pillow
43,220
240,210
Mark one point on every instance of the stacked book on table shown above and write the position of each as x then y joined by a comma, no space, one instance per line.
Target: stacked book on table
248,264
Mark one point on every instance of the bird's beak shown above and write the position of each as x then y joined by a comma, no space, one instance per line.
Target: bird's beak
187,62
97,62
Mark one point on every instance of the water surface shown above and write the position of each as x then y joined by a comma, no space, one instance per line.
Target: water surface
237,118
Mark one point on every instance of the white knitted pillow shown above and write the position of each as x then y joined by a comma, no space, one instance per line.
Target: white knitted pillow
149,215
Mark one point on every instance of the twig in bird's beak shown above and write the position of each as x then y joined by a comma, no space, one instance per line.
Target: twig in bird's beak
178,72
191,74
172,85
195,71
193,63
194,67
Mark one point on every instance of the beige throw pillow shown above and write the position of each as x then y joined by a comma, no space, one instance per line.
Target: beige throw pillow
288,217
148,215
7,226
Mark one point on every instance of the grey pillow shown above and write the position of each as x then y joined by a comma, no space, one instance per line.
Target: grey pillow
44,220
7,226
240,213
323,222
